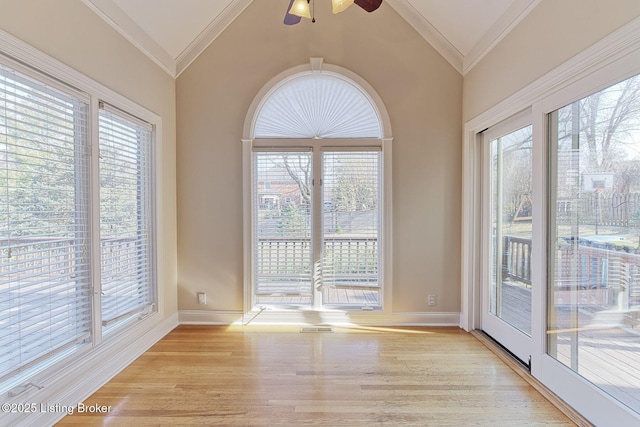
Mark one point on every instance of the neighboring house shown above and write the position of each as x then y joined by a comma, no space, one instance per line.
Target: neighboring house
279,190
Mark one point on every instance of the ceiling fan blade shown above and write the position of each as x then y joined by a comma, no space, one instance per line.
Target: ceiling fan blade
369,5
290,19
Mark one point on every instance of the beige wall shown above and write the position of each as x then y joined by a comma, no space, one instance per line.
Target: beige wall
71,33
421,91
423,95
555,31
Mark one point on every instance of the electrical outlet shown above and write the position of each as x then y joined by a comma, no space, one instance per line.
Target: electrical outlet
432,299
202,298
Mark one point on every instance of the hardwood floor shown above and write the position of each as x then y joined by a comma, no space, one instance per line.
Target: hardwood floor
278,376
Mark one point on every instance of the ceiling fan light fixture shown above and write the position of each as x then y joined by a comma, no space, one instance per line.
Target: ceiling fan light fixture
340,5
301,8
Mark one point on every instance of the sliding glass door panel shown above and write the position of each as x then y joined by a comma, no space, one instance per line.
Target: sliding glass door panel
508,236
594,227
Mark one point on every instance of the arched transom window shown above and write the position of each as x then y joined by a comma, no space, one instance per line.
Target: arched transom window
315,161
317,106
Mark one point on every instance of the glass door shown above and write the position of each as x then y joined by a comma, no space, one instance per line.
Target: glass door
507,235
351,228
283,227
593,298
317,233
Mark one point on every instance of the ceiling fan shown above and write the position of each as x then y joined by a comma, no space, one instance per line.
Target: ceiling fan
299,9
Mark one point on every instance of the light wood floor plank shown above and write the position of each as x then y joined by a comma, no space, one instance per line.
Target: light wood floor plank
277,376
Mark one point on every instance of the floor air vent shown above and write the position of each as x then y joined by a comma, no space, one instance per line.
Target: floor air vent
315,329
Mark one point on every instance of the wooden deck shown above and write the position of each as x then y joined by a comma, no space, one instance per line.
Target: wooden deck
609,349
516,306
335,296
608,354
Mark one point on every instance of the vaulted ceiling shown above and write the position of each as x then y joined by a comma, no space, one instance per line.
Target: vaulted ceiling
174,32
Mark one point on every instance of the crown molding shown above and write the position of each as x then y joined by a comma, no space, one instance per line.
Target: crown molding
127,27
209,34
429,33
498,31
464,63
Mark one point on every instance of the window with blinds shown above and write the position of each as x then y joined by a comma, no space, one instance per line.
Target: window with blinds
45,288
58,294
350,227
125,216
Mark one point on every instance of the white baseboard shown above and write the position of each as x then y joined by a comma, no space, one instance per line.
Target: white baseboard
73,384
206,317
427,319
310,317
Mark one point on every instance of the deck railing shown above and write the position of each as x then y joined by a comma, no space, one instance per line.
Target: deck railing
516,259
608,275
285,263
34,259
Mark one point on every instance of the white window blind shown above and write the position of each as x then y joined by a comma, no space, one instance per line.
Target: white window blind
126,227
45,291
351,227
282,221
317,106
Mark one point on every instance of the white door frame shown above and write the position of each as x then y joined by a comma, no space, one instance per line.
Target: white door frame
316,65
610,60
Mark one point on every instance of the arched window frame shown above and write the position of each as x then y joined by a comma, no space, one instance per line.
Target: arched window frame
249,143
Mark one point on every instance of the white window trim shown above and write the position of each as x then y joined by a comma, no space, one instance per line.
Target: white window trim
612,59
69,380
316,65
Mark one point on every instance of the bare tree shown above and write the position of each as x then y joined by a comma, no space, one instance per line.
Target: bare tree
299,169
607,121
